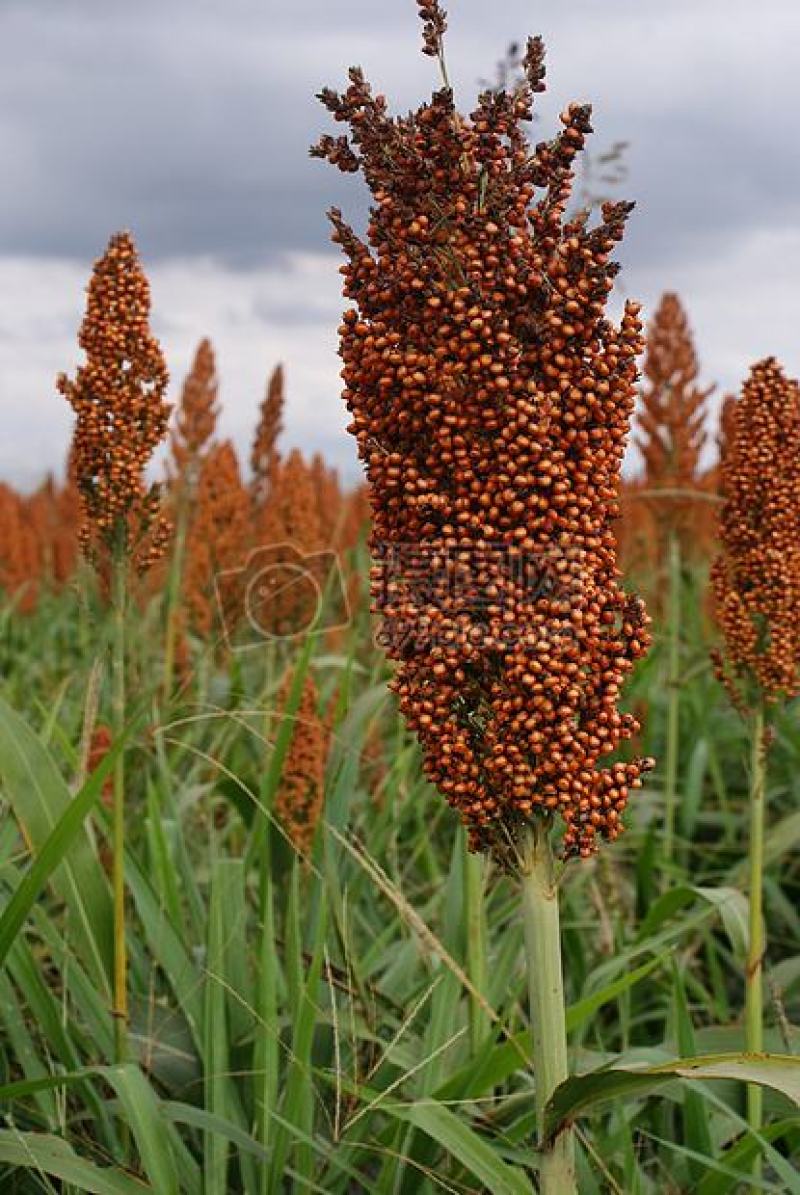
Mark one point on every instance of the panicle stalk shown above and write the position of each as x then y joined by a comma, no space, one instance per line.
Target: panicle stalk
118,398
756,586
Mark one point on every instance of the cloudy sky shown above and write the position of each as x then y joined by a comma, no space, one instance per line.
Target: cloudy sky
188,121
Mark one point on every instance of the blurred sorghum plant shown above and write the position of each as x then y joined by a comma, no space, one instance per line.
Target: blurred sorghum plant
301,793
671,419
491,401
122,415
264,453
217,542
191,443
196,417
756,578
19,557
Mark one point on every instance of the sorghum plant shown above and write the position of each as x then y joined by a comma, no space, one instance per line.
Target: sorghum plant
218,541
491,401
756,585
325,480
195,424
19,557
264,455
301,793
671,423
671,420
289,529
196,416
118,398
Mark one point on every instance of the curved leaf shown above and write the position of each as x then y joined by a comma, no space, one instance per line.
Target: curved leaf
39,797
52,853
583,1094
50,1155
463,1144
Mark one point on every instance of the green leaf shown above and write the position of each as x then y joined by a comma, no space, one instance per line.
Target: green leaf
583,1009
463,1144
695,1123
300,1096
52,852
51,1155
216,1046
40,799
783,837
583,1094
738,1160
143,1113
733,909
731,905
693,788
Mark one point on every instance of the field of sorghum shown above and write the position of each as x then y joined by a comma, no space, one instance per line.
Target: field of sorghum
244,943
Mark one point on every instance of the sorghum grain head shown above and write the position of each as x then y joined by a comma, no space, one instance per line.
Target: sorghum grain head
20,564
264,456
725,429
328,496
491,401
301,795
196,417
289,528
118,398
218,540
672,417
756,578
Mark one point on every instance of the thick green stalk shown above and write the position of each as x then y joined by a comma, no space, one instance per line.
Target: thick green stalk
474,877
673,697
754,978
546,989
119,568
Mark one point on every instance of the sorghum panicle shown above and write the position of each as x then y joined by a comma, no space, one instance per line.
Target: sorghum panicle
290,529
218,540
671,419
264,455
434,27
756,578
122,415
328,494
725,429
19,551
301,794
491,401
196,417
291,514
